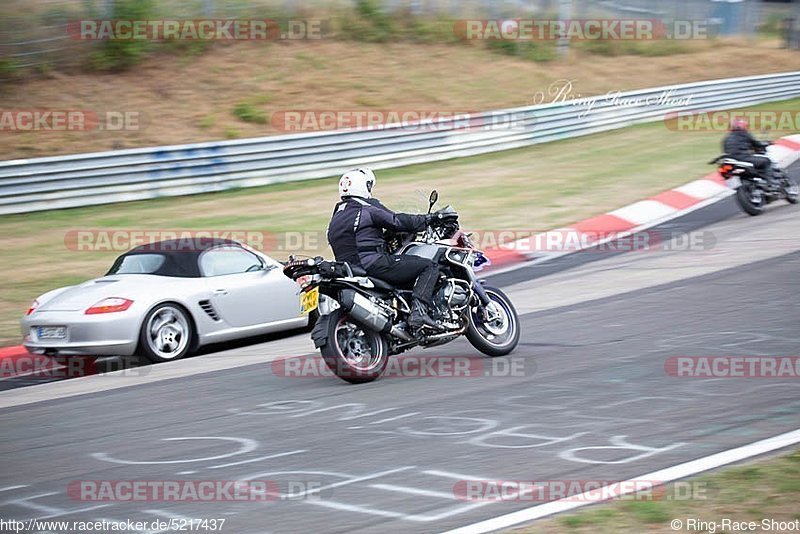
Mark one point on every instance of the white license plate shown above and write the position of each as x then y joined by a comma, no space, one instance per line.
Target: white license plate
734,183
51,332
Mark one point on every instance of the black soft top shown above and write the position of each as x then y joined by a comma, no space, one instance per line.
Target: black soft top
180,255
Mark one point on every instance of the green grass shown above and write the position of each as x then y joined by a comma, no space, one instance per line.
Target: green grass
613,48
767,488
538,51
251,110
529,189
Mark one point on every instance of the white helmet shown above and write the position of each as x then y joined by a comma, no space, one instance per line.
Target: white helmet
357,183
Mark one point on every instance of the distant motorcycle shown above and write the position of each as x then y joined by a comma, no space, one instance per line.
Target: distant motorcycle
364,320
753,191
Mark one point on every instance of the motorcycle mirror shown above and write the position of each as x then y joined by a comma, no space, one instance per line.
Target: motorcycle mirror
432,199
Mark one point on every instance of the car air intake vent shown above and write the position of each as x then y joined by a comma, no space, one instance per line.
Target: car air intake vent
209,309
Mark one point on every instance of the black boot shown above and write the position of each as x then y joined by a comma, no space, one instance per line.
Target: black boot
419,315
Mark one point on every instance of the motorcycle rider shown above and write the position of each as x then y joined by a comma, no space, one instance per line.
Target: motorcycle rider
740,144
355,234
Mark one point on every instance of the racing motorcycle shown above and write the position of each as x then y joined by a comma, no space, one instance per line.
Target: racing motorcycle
753,191
364,320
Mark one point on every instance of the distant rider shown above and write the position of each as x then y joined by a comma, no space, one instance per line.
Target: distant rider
740,144
355,234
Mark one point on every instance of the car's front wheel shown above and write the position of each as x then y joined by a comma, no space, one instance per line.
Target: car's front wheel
166,334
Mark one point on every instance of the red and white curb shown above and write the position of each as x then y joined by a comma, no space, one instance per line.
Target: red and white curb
631,219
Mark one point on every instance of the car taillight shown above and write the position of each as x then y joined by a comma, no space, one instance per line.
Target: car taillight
34,305
109,305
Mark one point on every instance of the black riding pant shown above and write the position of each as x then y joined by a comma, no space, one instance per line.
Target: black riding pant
761,164
401,271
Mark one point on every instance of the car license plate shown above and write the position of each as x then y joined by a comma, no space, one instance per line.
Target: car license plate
51,332
309,300
734,183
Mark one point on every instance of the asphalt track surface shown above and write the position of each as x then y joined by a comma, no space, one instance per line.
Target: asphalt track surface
589,399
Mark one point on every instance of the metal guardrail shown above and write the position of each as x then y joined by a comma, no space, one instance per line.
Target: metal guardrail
104,177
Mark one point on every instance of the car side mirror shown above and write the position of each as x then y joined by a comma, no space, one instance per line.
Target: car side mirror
265,267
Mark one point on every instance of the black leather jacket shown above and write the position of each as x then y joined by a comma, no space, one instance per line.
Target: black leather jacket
740,144
355,232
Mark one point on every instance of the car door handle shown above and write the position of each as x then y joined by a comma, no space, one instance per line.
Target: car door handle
220,291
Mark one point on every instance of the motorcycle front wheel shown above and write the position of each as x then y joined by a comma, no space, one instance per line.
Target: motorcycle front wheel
354,353
792,190
495,333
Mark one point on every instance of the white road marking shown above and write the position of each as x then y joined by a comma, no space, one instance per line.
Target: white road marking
9,488
351,481
395,418
359,509
413,491
279,455
76,511
454,476
25,503
248,445
618,443
669,474
449,512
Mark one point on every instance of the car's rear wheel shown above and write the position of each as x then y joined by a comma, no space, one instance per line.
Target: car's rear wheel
166,334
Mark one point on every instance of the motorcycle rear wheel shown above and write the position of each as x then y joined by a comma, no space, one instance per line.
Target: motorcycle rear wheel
751,199
354,353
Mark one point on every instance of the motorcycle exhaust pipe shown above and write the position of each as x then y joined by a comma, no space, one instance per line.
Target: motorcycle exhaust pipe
368,314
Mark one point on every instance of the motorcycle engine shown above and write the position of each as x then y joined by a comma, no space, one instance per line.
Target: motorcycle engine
452,296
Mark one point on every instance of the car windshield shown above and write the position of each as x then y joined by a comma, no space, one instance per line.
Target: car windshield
138,264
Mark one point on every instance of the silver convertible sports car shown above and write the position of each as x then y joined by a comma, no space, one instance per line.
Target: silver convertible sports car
164,300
